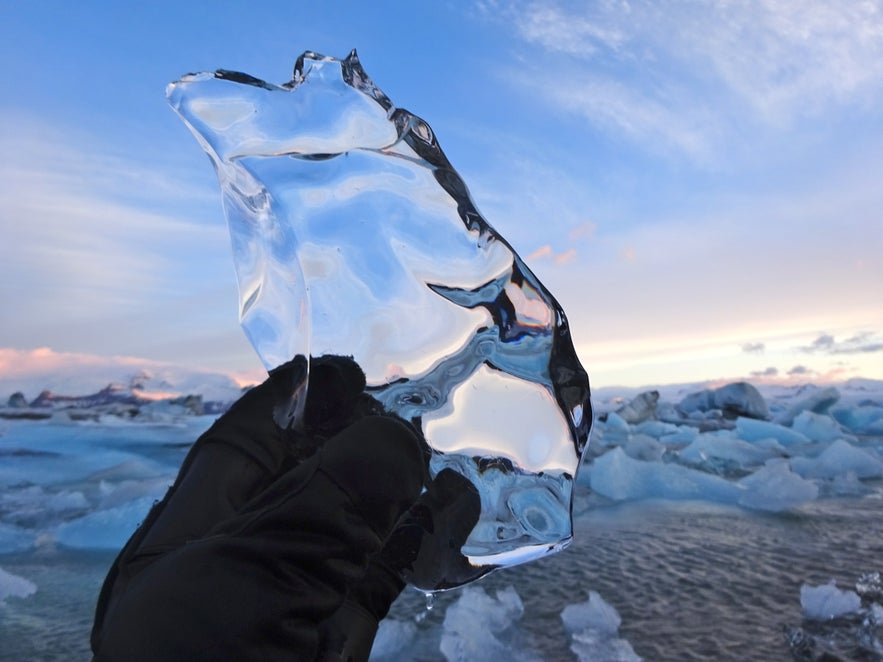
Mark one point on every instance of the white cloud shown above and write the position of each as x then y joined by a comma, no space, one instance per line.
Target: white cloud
91,237
684,72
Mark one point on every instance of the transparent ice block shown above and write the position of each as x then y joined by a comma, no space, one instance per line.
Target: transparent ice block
354,236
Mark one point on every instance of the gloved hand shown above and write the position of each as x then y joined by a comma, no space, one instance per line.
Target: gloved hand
426,541
264,531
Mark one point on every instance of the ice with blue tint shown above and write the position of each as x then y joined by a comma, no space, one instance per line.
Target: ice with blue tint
354,236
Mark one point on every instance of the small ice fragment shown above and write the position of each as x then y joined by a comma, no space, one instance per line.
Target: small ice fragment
105,529
817,427
822,603
478,627
13,586
594,628
15,539
749,429
617,476
641,408
865,419
775,487
715,452
739,399
838,459
394,638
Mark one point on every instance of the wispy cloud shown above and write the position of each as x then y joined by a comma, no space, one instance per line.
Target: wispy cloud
684,72
860,343
90,236
753,348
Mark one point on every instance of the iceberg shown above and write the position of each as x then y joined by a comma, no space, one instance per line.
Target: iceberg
354,236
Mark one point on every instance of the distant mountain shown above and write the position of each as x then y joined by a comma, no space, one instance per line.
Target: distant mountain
143,395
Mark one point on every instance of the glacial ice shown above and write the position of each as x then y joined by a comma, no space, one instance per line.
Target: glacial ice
354,236
751,463
480,627
594,628
13,586
617,476
775,487
750,429
864,419
104,529
817,427
839,458
822,603
738,399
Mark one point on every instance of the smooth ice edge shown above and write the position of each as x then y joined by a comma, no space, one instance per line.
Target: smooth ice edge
330,148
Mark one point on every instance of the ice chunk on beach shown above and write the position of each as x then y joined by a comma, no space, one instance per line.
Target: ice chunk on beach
738,399
617,476
722,454
838,459
13,586
105,529
818,402
817,427
394,639
822,603
354,236
775,487
864,419
479,627
15,539
749,429
594,627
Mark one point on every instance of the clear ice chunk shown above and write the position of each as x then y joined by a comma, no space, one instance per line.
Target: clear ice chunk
354,236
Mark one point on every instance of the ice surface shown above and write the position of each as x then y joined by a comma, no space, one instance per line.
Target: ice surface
15,538
617,476
739,399
481,628
864,419
394,638
105,529
723,454
817,427
775,487
825,602
13,586
594,627
354,236
818,402
750,429
838,459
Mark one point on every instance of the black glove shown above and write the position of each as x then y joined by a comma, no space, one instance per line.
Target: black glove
424,543
265,531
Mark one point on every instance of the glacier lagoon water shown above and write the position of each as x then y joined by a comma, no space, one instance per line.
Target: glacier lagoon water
690,582
689,579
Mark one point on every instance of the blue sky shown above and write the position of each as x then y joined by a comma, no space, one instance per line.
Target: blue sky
699,183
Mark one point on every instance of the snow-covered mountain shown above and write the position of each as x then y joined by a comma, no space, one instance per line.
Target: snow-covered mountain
142,394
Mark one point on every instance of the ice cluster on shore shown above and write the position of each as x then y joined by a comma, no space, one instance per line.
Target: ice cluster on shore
736,445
